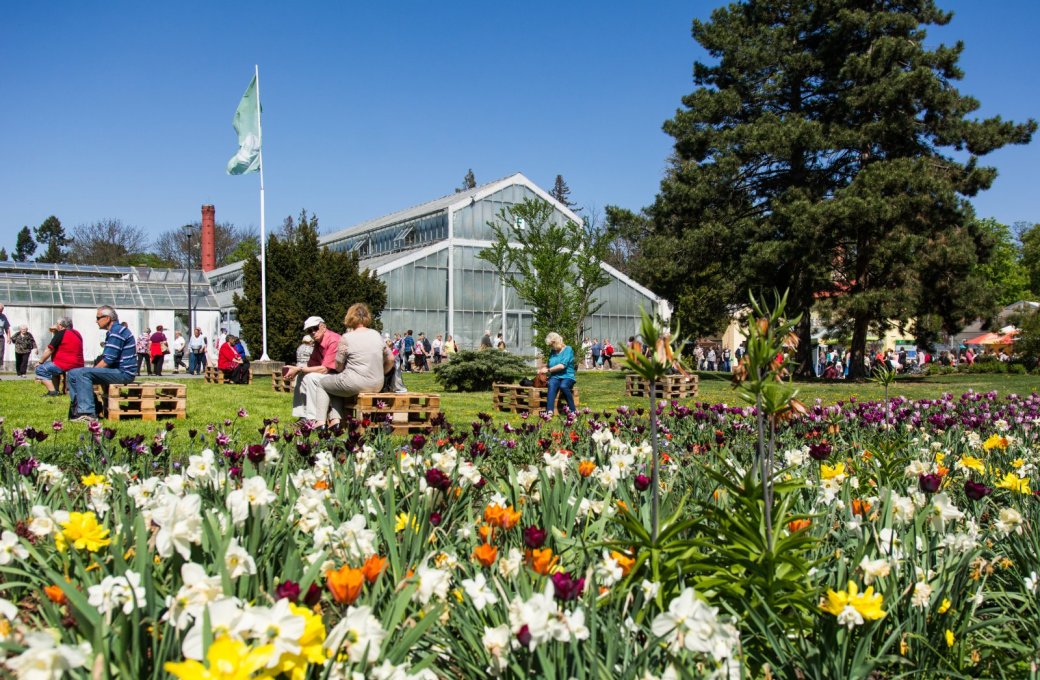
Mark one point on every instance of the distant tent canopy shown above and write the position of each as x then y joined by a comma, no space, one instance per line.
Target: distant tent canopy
992,339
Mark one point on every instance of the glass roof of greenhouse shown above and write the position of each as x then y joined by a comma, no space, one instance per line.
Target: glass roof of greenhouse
69,285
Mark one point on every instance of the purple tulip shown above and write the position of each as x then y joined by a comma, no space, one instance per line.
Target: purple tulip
976,491
523,636
435,519
255,453
534,537
287,590
437,479
566,586
418,441
821,451
642,482
313,595
929,483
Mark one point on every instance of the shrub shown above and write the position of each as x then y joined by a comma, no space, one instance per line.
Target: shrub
476,370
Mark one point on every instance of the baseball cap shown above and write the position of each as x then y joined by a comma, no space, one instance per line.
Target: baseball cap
312,322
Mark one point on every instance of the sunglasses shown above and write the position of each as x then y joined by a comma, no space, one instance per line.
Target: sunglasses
99,318
311,330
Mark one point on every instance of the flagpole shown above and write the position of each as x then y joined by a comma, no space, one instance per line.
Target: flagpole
263,233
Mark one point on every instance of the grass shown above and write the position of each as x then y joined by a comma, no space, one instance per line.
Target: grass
21,404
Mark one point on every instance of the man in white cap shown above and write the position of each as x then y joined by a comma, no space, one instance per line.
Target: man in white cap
322,362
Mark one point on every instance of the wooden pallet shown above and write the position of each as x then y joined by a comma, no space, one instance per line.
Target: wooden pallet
215,375
282,384
670,387
518,398
144,401
408,413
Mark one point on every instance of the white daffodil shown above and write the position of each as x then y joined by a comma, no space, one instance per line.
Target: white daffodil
45,659
478,591
11,548
180,525
238,561
359,634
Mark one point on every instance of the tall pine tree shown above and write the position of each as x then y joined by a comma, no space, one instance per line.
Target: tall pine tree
304,279
815,156
468,182
24,245
52,235
561,192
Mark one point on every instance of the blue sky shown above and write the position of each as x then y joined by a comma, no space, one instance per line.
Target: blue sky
123,109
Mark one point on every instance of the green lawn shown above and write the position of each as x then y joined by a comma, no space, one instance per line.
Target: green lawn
21,403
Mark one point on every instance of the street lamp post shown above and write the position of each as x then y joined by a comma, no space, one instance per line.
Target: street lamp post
191,321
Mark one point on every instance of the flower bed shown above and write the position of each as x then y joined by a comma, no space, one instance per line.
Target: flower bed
904,541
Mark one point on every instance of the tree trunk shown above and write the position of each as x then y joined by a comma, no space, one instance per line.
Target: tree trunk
859,347
803,357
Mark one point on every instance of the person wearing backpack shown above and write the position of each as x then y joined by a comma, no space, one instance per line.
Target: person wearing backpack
608,354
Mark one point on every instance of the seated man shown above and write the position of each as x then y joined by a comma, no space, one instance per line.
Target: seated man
117,365
307,394
64,352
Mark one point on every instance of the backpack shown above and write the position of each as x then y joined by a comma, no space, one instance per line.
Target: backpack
426,345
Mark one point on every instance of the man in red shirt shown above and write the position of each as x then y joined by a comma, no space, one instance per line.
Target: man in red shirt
64,352
322,362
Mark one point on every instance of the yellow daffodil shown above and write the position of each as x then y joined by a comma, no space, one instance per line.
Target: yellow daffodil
1017,463
83,532
1014,483
995,441
404,520
228,659
939,457
311,646
945,606
972,463
949,638
853,607
832,471
92,480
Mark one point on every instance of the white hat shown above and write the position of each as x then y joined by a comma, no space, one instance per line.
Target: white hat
308,338
312,322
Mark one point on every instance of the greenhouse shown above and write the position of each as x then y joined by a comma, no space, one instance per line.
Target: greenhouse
35,294
427,256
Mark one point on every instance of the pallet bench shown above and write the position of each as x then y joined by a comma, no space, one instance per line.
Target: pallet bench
143,401
282,384
407,412
215,375
669,387
518,398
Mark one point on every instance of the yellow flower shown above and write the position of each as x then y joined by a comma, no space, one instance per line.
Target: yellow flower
228,659
404,520
867,604
971,463
311,646
949,638
995,441
1014,483
83,531
939,457
832,471
92,480
1017,463
945,606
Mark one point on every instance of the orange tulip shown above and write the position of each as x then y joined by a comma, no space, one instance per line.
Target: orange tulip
542,560
321,485
586,468
493,514
55,594
487,532
624,561
797,525
485,554
373,567
345,584
509,518
860,507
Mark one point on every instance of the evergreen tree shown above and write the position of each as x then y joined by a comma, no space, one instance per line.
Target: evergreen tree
815,156
555,270
52,235
468,182
304,279
24,245
561,192
3,255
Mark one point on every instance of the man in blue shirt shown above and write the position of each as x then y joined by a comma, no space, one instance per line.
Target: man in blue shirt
117,365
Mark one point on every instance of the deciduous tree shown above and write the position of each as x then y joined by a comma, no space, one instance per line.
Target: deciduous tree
552,263
107,242
172,245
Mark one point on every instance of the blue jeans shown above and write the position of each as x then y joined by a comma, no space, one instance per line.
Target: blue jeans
81,383
196,362
48,370
560,385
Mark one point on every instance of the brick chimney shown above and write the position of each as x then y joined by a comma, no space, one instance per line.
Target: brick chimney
209,226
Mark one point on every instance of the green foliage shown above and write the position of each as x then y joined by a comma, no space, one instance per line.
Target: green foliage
1004,270
3,255
476,371
303,279
52,235
553,265
24,246
468,182
1029,235
816,155
247,249
561,192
